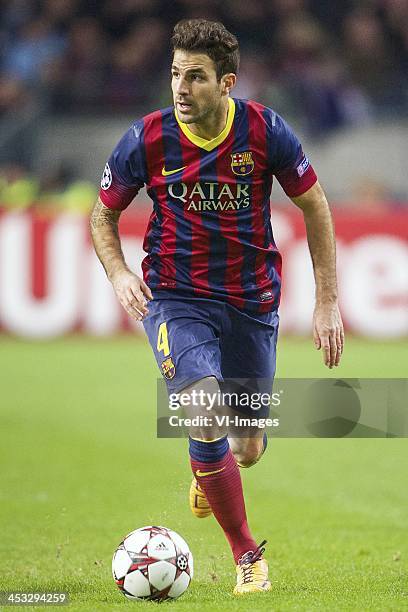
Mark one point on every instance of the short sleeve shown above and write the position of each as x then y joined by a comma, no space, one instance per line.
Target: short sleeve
124,174
287,160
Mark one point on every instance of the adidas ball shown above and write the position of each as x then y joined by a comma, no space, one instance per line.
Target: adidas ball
152,563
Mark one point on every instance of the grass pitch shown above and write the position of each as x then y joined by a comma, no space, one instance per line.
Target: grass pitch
81,467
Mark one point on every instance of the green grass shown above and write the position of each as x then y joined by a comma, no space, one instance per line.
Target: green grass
81,466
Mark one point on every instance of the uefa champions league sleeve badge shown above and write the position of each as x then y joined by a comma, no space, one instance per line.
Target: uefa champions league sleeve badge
106,180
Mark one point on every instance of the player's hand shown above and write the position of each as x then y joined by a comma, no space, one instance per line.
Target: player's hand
328,332
132,292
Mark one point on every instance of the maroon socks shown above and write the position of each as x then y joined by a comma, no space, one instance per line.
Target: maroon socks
218,475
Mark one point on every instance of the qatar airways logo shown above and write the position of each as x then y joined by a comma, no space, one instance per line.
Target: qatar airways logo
211,196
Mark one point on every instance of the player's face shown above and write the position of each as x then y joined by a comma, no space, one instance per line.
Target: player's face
196,92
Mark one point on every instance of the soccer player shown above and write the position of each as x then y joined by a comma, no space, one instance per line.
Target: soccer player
212,274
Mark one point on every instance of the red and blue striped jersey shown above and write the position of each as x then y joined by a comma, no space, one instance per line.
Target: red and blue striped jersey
210,234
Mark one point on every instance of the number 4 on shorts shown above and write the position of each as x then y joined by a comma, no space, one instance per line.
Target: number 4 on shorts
163,340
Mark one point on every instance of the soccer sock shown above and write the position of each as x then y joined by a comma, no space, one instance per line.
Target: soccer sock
217,473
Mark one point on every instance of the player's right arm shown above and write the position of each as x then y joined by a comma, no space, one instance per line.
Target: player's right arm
123,176
130,289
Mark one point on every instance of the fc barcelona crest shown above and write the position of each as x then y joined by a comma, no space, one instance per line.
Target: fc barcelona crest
242,163
168,368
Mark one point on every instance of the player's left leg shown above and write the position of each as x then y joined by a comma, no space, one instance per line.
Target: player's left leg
248,451
248,364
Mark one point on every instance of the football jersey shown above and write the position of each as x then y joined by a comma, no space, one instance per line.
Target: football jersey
209,234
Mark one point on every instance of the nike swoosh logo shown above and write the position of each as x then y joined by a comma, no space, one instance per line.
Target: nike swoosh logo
168,172
200,473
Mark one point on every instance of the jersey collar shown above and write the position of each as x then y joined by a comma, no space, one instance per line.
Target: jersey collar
209,145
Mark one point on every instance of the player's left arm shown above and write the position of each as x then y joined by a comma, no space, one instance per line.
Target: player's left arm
328,331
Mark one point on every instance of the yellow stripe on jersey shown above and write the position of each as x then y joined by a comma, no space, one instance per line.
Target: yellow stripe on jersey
209,145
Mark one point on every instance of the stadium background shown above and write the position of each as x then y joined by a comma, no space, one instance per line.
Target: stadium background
81,464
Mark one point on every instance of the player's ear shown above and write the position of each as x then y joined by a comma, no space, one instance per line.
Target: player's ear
228,82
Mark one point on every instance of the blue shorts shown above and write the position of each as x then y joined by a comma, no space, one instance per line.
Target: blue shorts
195,338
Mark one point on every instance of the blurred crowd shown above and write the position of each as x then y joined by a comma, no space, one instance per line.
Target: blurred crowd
329,61
326,64
58,189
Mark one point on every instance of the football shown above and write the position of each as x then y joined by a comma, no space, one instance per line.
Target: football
152,563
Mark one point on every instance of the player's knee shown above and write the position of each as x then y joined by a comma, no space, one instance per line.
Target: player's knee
248,454
248,460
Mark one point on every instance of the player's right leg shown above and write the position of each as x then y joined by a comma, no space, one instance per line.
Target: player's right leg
218,475
184,336
215,468
247,452
185,340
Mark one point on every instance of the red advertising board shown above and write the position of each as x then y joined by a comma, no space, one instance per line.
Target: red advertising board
51,282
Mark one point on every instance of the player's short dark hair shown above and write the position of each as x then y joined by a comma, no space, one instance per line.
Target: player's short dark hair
210,37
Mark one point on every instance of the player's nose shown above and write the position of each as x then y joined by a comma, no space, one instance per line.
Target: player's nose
182,87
